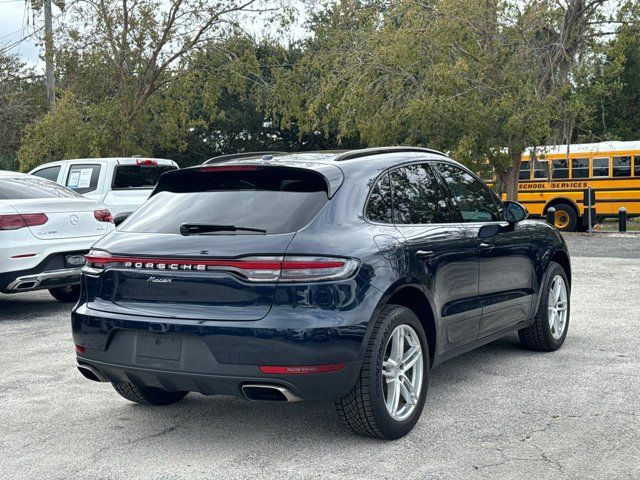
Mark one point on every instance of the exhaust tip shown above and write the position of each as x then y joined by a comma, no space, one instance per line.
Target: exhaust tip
268,393
90,373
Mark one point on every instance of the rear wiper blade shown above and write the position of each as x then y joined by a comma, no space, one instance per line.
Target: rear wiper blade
195,228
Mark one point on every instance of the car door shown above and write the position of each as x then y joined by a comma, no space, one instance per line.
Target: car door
506,274
442,256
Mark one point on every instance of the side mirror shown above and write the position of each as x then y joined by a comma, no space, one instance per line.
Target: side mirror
120,217
514,212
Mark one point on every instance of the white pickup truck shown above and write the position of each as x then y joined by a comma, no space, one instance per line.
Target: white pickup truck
121,184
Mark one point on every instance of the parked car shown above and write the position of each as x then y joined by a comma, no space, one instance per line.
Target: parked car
45,230
122,184
335,276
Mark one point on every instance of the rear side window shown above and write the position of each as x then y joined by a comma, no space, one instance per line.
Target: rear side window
32,187
600,167
560,169
416,196
379,208
276,199
621,166
580,168
138,176
83,178
50,173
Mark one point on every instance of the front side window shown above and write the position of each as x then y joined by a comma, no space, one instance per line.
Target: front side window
83,178
379,206
580,167
525,170
560,169
621,166
50,173
473,199
416,196
600,167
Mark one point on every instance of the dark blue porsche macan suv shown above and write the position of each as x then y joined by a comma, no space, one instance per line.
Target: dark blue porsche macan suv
337,276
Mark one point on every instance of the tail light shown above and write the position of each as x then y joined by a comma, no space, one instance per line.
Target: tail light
103,215
16,221
252,269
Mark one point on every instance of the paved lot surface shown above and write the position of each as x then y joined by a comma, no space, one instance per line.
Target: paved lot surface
499,412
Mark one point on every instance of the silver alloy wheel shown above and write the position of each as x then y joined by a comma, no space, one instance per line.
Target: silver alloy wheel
402,372
557,306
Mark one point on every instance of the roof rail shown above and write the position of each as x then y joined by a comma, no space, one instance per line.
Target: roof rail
236,156
365,152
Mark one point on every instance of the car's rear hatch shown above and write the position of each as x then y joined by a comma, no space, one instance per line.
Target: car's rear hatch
149,268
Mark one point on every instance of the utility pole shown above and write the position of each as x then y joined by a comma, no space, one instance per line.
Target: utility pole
48,55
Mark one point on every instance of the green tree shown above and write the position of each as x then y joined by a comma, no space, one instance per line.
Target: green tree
21,99
478,78
117,61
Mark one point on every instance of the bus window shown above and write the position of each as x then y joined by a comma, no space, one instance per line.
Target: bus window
580,167
636,163
560,169
525,170
541,169
600,167
621,166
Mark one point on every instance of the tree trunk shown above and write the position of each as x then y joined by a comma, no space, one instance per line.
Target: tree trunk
510,177
48,56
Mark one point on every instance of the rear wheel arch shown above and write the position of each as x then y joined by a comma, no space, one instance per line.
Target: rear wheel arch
412,297
558,200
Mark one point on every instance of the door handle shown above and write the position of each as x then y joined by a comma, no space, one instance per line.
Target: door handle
425,253
485,247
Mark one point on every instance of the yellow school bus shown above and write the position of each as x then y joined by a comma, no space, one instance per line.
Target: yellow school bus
557,176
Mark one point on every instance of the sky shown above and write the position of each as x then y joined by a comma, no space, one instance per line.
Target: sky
16,22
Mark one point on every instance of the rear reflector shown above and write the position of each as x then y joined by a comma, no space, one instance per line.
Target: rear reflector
103,215
80,349
301,369
146,163
17,220
254,269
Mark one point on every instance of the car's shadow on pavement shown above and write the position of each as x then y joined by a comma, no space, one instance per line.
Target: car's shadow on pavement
31,306
199,418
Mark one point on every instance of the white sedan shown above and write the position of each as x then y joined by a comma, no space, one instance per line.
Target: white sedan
45,230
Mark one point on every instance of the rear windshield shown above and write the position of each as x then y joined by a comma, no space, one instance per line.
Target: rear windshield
32,187
138,176
278,200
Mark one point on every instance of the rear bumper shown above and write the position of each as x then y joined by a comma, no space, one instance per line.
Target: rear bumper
216,357
50,272
321,386
50,279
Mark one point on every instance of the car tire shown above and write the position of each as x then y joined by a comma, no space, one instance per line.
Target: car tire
548,332
69,294
364,410
147,395
566,218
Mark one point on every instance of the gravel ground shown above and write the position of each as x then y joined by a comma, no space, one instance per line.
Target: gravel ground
498,412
